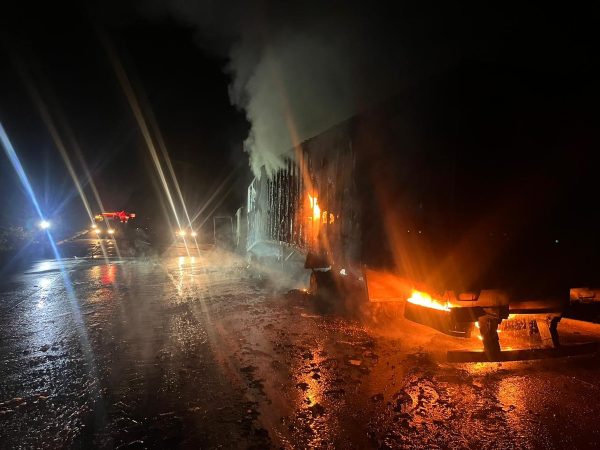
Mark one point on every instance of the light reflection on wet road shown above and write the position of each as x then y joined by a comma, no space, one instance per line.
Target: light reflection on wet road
202,351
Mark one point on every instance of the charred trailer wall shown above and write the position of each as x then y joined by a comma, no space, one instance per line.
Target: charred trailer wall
314,204
467,198
311,205
384,199
274,207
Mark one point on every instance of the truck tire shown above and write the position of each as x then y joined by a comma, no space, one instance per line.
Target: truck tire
322,286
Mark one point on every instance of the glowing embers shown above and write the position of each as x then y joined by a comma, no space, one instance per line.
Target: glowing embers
424,299
318,216
327,218
315,208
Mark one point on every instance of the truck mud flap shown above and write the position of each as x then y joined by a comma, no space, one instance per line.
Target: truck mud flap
465,356
448,322
384,287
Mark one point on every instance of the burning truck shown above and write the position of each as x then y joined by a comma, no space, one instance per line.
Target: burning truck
394,205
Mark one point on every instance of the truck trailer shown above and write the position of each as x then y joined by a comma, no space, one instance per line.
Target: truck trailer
475,214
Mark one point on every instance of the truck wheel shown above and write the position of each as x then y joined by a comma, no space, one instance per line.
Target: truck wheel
322,285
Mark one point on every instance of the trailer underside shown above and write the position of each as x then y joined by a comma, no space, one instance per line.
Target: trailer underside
539,319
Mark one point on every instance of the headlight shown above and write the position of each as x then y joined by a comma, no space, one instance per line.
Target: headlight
194,234
111,231
182,233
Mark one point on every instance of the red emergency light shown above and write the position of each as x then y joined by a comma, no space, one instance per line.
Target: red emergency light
121,215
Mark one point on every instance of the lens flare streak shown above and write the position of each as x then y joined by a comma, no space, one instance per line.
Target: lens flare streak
132,99
18,167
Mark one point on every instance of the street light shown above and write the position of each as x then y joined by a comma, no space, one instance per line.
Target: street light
44,225
111,231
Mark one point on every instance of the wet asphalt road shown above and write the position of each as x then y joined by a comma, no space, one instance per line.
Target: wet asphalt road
205,352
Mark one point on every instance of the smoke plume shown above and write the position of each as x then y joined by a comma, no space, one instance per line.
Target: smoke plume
298,68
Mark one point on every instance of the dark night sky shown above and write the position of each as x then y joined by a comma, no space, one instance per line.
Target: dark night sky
188,90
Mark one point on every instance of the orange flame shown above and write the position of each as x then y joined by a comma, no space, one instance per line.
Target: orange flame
424,299
314,205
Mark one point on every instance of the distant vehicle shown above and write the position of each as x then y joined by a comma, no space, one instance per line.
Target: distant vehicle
121,216
186,232
111,225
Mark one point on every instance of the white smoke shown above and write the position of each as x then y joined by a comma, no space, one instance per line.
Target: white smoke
283,102
298,68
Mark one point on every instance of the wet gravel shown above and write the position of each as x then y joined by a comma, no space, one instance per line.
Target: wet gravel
205,352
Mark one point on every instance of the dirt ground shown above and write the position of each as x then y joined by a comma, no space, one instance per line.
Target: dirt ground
206,352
